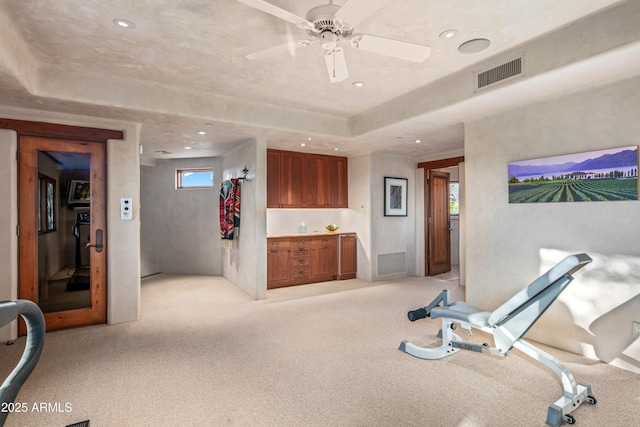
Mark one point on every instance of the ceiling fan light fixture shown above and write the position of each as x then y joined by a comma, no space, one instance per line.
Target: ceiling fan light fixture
329,40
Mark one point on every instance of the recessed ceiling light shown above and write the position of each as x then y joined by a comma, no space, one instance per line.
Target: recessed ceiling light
208,124
448,34
336,149
201,132
302,144
188,148
418,141
358,84
124,23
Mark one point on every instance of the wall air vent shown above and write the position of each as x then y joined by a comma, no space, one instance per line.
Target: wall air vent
392,264
506,71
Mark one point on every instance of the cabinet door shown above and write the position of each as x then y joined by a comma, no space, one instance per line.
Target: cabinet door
324,257
348,256
292,179
314,181
278,263
274,178
336,178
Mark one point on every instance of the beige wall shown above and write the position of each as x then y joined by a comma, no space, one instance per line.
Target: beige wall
123,236
8,222
179,231
245,264
393,234
509,245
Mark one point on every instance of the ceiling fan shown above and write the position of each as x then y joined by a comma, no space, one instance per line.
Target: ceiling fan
330,25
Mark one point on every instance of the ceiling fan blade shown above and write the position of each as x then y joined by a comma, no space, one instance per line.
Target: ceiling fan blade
355,11
395,48
288,47
278,13
336,65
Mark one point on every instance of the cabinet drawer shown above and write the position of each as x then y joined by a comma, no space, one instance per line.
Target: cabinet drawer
321,242
300,272
300,243
300,252
300,261
278,244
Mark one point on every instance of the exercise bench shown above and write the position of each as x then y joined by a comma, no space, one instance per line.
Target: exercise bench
508,324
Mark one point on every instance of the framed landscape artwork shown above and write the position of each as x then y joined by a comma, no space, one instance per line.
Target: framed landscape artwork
395,196
604,175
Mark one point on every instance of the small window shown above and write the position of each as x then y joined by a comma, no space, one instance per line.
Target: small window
194,178
454,201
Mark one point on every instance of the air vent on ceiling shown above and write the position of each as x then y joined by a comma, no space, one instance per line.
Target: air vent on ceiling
506,71
391,264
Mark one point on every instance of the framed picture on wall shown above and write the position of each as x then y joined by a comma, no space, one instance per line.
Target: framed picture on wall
395,196
592,176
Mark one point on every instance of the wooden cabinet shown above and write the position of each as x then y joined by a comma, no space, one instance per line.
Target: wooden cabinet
309,259
278,262
284,179
324,258
300,259
348,256
300,180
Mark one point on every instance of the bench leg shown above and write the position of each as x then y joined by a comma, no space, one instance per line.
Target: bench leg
446,349
574,394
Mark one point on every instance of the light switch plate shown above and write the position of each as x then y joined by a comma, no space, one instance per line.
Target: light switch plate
126,208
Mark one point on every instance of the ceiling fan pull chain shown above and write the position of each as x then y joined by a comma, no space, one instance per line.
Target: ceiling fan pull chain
334,63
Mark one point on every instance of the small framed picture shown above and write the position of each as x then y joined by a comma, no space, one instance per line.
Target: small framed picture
395,196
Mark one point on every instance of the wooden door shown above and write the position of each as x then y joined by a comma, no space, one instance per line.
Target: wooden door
35,286
438,224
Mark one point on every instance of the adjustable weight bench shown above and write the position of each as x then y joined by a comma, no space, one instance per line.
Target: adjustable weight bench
508,323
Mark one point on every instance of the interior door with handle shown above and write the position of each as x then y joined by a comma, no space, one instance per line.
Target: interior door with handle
438,224
61,241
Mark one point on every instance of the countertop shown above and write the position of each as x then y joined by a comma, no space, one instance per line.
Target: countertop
311,234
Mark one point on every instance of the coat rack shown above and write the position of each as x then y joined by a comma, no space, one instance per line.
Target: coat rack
244,178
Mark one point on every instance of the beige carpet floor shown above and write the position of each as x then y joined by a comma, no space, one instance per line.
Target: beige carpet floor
205,354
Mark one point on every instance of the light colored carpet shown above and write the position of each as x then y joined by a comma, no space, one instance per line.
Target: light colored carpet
205,354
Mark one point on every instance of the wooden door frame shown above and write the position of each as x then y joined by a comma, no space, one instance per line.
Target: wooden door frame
62,132
428,166
29,147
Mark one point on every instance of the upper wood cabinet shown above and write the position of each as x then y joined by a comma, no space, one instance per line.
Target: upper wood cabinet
299,180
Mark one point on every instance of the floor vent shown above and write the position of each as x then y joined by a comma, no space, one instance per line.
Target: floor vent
500,73
391,264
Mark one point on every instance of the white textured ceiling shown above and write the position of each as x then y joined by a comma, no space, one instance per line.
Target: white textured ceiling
185,65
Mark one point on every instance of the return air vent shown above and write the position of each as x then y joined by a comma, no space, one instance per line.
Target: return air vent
392,264
506,71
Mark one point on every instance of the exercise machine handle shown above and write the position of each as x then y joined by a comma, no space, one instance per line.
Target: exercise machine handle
418,314
33,317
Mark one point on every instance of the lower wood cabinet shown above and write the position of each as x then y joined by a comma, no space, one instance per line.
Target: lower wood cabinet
300,260
278,262
324,258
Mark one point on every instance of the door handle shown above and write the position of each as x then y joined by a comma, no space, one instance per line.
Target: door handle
98,244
